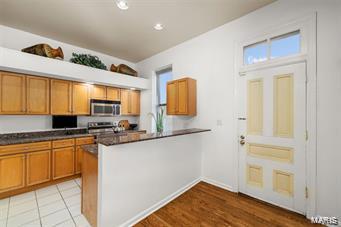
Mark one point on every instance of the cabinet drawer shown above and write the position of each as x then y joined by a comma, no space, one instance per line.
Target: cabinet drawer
85,140
26,147
63,143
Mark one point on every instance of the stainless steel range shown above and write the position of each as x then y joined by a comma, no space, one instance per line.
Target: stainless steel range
103,128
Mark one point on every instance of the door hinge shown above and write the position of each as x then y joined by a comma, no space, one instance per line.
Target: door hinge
306,193
306,135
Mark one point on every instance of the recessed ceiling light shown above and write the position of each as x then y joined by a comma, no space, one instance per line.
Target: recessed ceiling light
158,27
122,4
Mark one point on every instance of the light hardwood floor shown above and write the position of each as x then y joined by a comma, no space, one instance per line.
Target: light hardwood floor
207,205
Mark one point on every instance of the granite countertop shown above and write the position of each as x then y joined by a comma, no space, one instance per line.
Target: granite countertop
92,149
132,138
40,136
31,137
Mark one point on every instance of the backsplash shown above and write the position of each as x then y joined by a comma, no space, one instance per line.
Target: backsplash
11,124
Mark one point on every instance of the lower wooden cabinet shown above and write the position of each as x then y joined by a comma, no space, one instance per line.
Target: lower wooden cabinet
63,162
12,172
79,155
38,167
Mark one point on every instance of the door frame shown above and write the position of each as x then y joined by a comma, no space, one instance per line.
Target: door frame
307,26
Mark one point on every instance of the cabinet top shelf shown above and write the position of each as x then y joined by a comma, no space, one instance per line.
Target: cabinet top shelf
17,61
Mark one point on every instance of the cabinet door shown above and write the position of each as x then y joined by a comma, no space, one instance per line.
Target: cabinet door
99,92
38,95
63,160
113,94
125,101
182,97
12,172
79,155
171,98
12,93
61,96
135,102
81,99
38,167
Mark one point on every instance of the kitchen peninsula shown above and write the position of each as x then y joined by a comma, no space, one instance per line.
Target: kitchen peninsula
127,177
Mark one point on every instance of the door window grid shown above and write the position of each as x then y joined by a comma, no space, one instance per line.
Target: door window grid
274,47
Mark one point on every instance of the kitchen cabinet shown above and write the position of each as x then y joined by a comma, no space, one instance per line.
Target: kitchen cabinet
130,102
12,93
63,162
181,97
12,172
80,99
79,151
99,92
38,167
113,94
38,95
61,97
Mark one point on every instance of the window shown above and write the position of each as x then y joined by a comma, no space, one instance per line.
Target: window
285,45
255,53
274,47
163,77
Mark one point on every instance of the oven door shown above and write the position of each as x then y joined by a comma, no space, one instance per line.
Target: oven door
102,109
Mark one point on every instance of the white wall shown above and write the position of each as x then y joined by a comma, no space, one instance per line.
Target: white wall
209,58
17,40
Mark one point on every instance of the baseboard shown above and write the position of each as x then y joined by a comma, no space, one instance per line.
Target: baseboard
160,204
218,184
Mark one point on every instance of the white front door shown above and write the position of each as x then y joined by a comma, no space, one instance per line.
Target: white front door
272,135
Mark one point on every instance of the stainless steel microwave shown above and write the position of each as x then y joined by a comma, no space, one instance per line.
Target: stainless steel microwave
105,108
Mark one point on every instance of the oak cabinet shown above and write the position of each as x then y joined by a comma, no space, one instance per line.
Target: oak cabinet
63,161
38,95
12,172
79,151
38,167
113,94
61,97
80,99
99,92
181,97
12,93
130,102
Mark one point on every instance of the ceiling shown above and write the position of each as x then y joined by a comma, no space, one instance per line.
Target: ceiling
99,25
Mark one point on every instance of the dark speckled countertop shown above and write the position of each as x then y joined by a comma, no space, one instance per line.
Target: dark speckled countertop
132,138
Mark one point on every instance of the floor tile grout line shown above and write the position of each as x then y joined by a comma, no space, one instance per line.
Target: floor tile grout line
35,193
9,203
66,206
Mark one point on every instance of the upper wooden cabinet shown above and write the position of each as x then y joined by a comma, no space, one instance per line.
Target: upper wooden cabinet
181,97
99,92
105,93
80,99
130,102
12,93
38,95
61,97
113,94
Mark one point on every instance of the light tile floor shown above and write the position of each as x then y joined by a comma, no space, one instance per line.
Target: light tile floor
56,205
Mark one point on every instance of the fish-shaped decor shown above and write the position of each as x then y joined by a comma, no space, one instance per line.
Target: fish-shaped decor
45,50
124,69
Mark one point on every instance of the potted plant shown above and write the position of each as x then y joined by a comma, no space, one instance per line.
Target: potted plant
159,119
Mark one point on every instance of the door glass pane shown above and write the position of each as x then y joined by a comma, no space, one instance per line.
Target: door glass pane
285,45
255,53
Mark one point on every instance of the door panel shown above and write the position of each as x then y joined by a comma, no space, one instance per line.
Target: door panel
12,93
12,170
171,98
80,99
272,136
99,92
63,162
124,102
38,95
113,94
61,97
135,102
182,96
38,166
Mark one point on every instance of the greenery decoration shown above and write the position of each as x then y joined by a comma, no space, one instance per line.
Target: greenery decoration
159,119
88,60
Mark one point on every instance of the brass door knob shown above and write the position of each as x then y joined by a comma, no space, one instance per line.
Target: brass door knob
242,142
